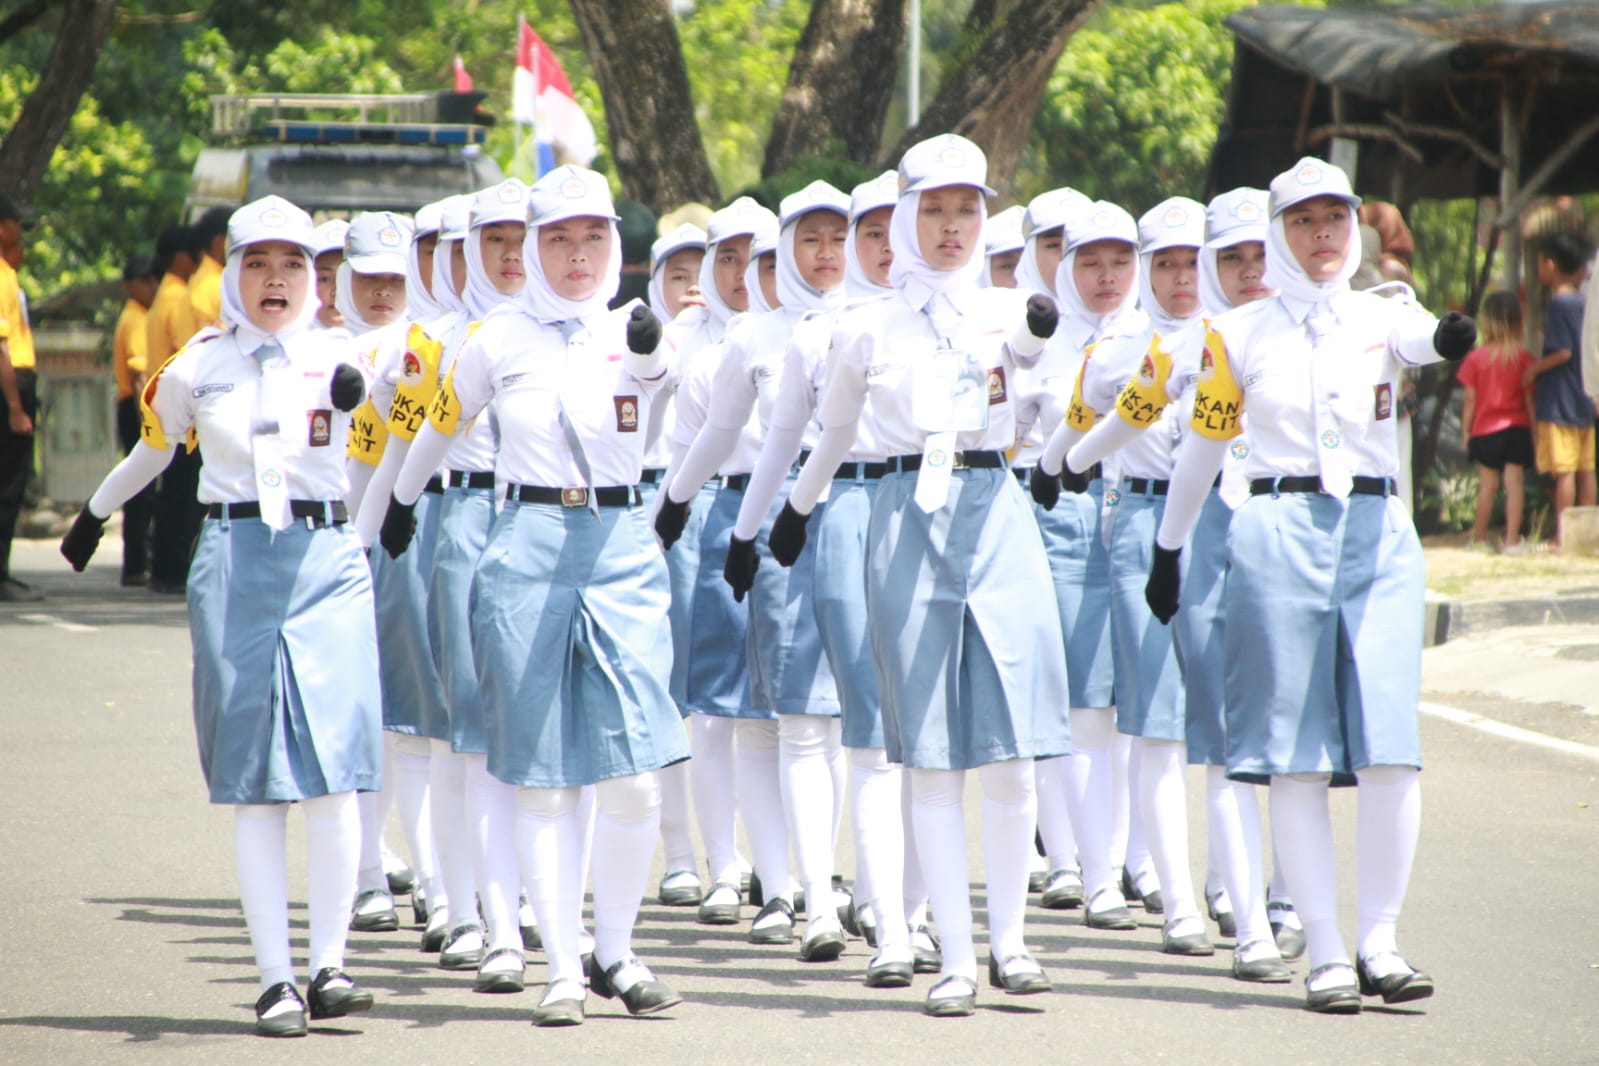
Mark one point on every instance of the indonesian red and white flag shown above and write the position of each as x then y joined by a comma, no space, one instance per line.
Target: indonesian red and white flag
541,97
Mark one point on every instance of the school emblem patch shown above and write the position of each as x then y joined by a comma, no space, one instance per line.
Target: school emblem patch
1175,217
626,413
321,428
1207,365
509,193
574,188
1248,211
1146,370
1331,439
389,237
274,219
1384,405
411,369
937,458
1309,174
996,385
1240,449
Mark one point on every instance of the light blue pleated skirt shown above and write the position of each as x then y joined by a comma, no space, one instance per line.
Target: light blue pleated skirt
1080,566
839,533
682,568
789,671
717,682
1323,637
968,652
413,696
1149,684
465,518
573,647
1197,634
287,704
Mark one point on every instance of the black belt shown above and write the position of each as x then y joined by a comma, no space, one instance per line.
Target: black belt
472,479
906,464
860,471
1152,486
317,511
736,482
608,496
1360,486
435,485
1022,473
650,477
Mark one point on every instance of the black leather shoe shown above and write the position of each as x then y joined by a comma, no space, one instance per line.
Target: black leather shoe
680,888
1036,880
754,892
333,995
500,979
962,1004
1396,987
645,996
568,1010
1339,999
454,955
720,906
1191,944
1268,970
285,1021
773,932
1062,891
889,974
1290,939
374,913
1113,917
1023,982
1152,900
532,939
929,953
401,880
824,944
1226,921
435,933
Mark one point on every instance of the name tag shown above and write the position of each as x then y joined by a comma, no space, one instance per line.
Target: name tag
212,390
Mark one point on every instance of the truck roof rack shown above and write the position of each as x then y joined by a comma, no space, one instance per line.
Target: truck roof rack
353,118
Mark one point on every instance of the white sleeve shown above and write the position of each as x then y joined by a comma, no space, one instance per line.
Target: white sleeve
1199,460
1060,442
778,452
142,466
709,451
817,475
1109,436
359,477
421,463
380,486
1411,337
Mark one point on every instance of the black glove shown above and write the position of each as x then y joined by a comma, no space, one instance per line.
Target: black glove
348,388
1072,481
1042,316
1044,487
670,519
739,570
788,535
82,539
1455,336
1165,579
643,331
399,526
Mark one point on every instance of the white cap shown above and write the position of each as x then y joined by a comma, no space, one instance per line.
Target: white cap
948,159
1236,216
569,192
376,243
1307,179
765,237
742,217
881,191
1101,221
505,202
272,218
1174,223
329,237
1003,232
429,219
685,236
455,217
817,196
1052,209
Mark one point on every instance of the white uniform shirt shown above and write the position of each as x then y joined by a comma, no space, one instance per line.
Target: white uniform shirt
877,347
211,387
700,356
1043,393
473,449
746,381
1112,364
531,372
804,382
685,334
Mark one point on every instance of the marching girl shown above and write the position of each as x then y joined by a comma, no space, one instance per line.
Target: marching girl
717,672
789,671
968,663
1325,579
570,596
286,697
1003,241
1231,271
329,254
675,262
1097,283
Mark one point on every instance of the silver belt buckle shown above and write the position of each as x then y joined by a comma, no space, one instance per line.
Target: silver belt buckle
960,461
574,497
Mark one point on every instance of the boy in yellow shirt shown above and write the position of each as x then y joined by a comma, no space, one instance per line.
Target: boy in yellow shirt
128,350
17,385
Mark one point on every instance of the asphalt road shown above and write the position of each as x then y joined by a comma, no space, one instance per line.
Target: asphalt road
126,943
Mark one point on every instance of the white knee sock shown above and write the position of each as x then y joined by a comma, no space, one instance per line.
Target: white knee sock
806,778
451,840
1090,779
549,839
1135,853
838,770
1053,778
588,815
677,832
1388,825
712,780
879,842
760,800
374,816
260,858
410,786
1234,823
333,849
1163,799
627,821
915,889
1301,830
941,842
490,816
1010,815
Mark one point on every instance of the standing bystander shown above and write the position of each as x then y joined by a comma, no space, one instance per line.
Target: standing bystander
129,348
21,396
1564,414
176,516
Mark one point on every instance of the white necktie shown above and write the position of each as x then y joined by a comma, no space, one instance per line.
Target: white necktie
569,330
271,476
1336,458
938,450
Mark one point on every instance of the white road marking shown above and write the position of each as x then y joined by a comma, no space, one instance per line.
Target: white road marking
59,623
1509,732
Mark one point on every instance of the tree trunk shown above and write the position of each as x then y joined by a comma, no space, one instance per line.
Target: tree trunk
840,82
994,95
25,153
655,140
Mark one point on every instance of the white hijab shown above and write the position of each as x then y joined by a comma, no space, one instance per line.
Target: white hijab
481,296
250,336
908,261
1165,324
752,282
1086,325
794,292
444,293
1302,296
420,304
545,305
1028,277
856,282
344,300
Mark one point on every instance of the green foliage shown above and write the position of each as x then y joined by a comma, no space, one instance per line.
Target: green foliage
1445,232
839,173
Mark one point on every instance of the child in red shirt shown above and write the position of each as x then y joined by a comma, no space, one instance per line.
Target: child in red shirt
1496,424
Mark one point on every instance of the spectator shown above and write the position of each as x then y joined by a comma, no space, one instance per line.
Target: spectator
1496,421
1564,414
128,363
1385,218
176,514
205,287
21,396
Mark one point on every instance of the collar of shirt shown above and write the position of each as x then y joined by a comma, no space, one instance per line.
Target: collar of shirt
917,293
